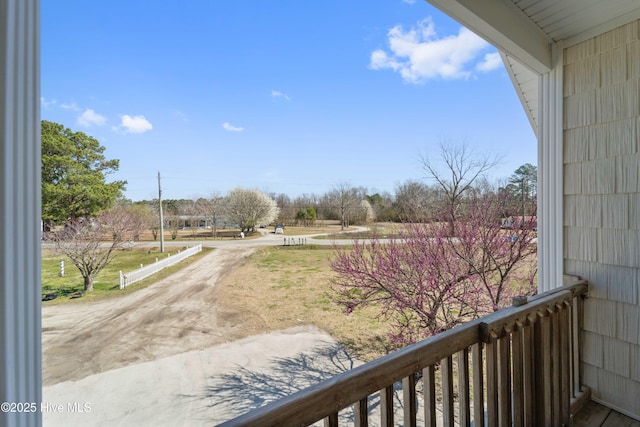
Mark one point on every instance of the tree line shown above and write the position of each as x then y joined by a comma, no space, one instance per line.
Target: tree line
453,261
75,185
350,205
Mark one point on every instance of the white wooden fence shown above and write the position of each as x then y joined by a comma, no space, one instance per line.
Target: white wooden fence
144,272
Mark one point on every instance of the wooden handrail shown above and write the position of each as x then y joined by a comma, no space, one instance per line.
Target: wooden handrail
314,403
494,324
496,331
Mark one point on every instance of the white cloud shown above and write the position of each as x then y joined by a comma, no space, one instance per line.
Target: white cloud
277,94
492,61
418,54
73,107
228,126
409,1
90,118
135,124
46,104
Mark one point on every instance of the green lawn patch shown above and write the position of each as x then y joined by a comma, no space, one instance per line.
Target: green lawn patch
107,283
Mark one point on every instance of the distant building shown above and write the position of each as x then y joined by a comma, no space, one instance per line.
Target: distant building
515,221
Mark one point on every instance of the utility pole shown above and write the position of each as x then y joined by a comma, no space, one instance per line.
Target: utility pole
161,219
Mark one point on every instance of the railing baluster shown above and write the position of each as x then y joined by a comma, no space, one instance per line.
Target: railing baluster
575,344
463,388
386,406
361,413
528,377
331,420
446,368
492,382
409,400
478,385
565,384
429,385
546,372
518,375
556,366
504,381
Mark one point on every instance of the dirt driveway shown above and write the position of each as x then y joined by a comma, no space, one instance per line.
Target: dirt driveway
169,354
173,316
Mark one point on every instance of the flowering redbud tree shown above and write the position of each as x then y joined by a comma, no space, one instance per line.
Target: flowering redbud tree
425,281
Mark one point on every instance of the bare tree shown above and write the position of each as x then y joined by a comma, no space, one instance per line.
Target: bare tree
416,201
126,221
154,218
212,208
174,226
344,198
83,241
287,214
461,170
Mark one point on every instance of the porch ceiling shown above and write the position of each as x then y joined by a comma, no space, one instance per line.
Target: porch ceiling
565,19
524,31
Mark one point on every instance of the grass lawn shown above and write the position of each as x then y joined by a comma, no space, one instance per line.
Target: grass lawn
282,287
107,282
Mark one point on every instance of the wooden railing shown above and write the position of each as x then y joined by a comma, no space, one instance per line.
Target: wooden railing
517,366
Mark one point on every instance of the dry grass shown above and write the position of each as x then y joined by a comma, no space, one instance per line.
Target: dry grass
278,288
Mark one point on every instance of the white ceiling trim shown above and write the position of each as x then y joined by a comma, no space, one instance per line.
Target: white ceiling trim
525,83
603,28
505,26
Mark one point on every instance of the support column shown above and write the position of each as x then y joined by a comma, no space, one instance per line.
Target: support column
550,171
20,289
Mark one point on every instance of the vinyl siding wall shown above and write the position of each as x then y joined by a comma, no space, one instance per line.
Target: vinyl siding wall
602,207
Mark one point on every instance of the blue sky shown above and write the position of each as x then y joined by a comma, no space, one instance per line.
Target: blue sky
284,96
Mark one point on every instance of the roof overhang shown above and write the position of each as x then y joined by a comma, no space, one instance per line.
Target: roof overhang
524,31
505,26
